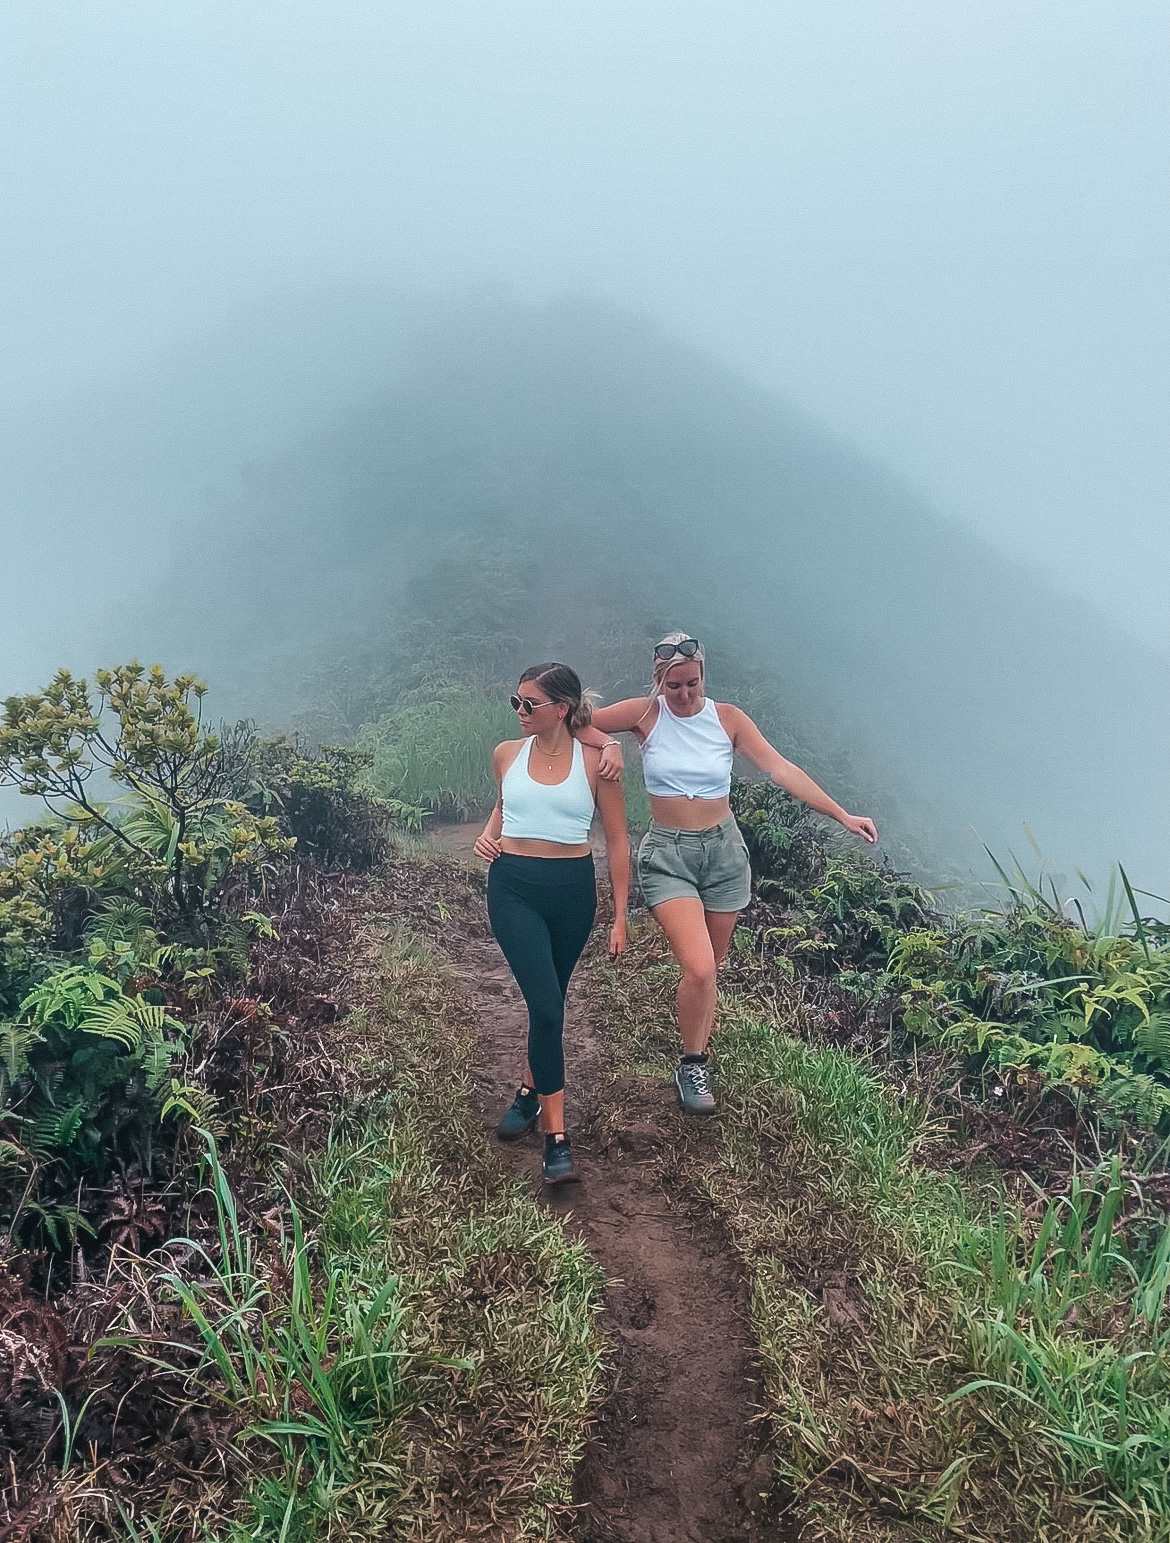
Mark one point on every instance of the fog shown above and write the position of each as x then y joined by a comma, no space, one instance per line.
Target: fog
863,314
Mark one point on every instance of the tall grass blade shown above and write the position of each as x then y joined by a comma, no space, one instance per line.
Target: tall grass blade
1137,915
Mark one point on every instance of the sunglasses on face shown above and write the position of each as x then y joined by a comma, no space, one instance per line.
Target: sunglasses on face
687,647
525,705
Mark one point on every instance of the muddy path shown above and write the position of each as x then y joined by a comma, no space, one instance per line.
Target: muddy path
672,1460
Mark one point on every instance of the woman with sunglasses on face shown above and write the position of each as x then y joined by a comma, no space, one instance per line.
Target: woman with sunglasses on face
541,889
693,862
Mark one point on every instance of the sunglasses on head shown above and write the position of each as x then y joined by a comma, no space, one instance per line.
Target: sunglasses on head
687,647
525,705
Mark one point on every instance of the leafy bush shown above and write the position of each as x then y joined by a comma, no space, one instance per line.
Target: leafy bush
1049,1001
179,839
1044,999
785,841
123,917
117,917
846,906
24,928
334,821
83,1071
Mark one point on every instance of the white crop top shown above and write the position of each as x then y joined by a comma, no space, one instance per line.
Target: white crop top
687,757
533,811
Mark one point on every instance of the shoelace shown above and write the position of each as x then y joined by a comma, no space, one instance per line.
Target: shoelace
698,1074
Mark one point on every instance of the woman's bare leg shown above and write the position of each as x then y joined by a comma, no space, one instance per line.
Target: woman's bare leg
684,923
552,1113
720,926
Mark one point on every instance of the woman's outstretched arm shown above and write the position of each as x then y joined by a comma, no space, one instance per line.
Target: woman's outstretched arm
748,741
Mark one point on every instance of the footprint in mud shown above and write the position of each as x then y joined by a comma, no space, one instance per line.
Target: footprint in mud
633,1307
642,1311
494,985
639,1138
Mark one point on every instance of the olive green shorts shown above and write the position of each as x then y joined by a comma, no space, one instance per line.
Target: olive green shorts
711,865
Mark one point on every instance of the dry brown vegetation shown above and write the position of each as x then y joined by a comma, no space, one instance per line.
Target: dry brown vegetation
363,1127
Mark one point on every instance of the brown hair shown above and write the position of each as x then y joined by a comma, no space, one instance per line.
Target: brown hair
563,685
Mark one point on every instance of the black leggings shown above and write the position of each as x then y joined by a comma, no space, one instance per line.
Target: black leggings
541,910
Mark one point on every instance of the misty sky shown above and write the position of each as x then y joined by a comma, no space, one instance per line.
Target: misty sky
941,229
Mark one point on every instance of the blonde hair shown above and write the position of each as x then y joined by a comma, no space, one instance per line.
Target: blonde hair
660,666
563,684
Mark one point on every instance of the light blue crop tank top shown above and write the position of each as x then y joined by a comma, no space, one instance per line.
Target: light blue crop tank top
687,757
535,812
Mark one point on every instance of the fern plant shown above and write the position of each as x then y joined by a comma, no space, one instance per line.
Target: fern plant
197,1104
84,1071
1152,1038
121,919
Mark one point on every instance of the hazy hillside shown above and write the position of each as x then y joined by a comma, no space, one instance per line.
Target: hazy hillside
614,461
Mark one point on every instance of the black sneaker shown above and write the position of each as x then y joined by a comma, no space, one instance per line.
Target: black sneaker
558,1161
520,1116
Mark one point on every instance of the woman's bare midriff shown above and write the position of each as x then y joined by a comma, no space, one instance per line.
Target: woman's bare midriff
689,813
525,846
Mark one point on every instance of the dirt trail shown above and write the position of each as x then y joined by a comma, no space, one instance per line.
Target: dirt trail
671,1462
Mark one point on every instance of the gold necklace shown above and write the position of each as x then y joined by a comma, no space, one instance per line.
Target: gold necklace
551,755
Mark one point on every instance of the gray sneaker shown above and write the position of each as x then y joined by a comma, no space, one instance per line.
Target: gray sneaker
693,1081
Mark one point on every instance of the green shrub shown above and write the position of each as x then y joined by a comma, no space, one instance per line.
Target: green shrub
1047,1001
83,1069
1037,996
847,905
178,838
333,820
786,843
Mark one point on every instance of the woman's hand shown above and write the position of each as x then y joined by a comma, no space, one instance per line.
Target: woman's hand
617,938
612,762
487,847
861,825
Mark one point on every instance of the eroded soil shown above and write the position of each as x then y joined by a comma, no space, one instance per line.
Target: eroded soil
672,1459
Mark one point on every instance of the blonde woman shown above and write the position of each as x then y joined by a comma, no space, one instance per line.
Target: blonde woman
693,862
542,893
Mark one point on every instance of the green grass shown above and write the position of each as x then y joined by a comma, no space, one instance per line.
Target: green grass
408,1347
1065,1330
935,1357
637,799
437,754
